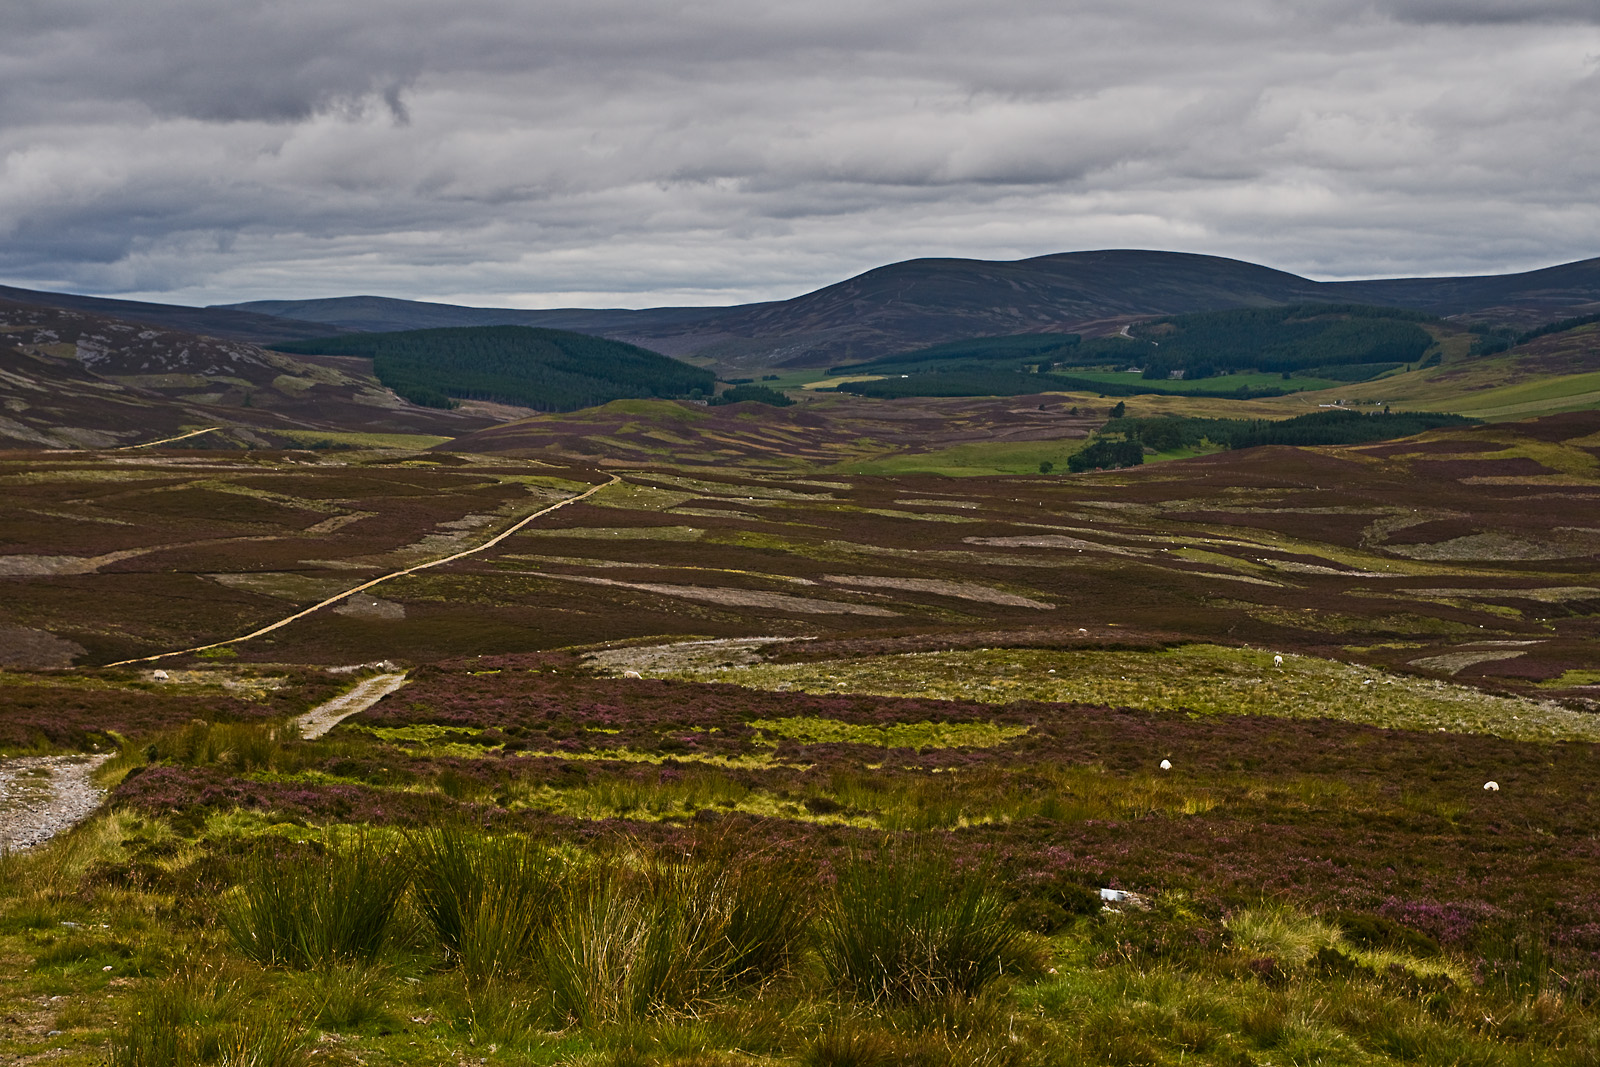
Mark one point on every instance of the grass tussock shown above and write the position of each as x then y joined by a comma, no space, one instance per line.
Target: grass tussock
488,900
670,934
305,908
209,1013
903,927
239,746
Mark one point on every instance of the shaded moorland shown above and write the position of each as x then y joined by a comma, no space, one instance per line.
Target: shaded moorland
76,379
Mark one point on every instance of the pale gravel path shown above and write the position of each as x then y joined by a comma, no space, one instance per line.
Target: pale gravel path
40,796
324,717
517,527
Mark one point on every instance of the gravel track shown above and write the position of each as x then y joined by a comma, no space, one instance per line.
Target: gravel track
324,717
40,796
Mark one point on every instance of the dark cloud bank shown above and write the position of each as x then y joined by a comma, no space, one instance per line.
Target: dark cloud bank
608,152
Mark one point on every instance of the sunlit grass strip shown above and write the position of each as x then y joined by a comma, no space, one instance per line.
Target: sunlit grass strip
917,735
1209,679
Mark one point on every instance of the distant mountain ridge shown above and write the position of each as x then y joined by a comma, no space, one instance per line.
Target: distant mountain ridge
920,302
229,324
902,306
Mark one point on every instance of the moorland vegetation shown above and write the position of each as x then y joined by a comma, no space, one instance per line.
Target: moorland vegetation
515,860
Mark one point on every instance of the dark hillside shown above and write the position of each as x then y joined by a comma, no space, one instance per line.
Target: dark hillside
381,314
905,306
226,323
75,379
1528,299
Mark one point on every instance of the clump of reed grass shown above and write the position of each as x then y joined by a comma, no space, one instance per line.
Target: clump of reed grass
904,927
239,746
350,997
207,1013
643,934
1290,937
488,899
301,909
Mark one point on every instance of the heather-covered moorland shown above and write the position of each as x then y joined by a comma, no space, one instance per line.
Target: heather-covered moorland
757,759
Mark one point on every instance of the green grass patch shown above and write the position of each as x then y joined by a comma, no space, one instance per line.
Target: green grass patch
917,735
973,460
1207,679
412,441
1572,678
1221,383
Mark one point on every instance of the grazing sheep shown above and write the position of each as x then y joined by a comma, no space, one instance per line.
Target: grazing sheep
1491,787
630,674
1277,661
1166,765
159,676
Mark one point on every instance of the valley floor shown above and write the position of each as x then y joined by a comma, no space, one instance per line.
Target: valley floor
1271,757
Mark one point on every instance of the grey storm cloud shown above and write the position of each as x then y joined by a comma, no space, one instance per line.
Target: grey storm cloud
711,151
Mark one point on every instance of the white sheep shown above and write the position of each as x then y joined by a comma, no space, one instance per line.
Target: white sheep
1166,765
1491,787
630,674
159,676
1277,661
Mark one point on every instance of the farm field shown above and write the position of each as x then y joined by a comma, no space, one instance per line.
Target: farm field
779,748
1223,382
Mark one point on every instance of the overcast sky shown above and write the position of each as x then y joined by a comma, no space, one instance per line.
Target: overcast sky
636,153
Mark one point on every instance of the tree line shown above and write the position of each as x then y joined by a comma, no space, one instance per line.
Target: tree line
551,370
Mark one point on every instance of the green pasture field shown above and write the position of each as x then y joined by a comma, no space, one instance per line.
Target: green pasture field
985,459
1498,390
1220,383
973,460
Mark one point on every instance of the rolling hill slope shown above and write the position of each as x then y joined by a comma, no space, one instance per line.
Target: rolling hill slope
227,323
920,302
74,379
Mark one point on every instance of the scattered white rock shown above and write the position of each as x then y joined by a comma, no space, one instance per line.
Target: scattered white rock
1166,765
1491,787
